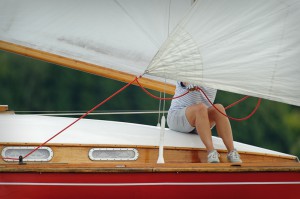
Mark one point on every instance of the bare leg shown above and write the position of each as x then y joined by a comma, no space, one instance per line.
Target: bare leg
198,116
223,125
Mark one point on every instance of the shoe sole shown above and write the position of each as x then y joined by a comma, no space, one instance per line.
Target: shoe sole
214,162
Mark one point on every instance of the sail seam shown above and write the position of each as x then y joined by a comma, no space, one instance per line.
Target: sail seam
279,51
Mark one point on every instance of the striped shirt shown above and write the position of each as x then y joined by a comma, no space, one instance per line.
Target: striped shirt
193,97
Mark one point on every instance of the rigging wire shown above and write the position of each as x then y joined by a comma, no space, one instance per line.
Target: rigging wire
69,113
164,105
159,107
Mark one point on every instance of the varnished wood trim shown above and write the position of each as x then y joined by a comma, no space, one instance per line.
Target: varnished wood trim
85,67
3,108
141,146
78,153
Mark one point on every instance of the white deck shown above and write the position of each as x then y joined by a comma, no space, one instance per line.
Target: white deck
38,129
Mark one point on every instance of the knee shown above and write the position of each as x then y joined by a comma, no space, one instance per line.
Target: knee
220,107
201,108
215,111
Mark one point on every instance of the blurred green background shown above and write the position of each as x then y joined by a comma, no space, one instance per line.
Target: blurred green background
31,85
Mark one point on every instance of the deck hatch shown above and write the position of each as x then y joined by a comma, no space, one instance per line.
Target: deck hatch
113,154
43,154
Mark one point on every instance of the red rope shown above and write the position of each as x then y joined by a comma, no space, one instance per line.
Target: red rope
84,115
232,118
237,102
160,98
199,89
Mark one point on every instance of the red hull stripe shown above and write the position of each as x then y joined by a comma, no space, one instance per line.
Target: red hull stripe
149,184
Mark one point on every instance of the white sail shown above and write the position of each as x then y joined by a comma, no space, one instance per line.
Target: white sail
248,47
123,35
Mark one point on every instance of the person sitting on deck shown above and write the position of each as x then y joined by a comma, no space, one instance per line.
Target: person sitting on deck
193,112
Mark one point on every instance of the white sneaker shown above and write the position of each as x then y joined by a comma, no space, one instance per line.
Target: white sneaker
234,157
213,157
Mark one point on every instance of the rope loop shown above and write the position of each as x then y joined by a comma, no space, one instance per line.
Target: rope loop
160,98
200,90
231,105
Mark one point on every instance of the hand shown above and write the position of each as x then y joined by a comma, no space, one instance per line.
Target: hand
191,87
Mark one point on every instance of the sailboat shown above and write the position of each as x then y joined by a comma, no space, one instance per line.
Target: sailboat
245,47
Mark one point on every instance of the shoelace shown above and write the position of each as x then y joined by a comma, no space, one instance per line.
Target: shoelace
213,154
234,154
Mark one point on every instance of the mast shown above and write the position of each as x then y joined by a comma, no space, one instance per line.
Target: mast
86,67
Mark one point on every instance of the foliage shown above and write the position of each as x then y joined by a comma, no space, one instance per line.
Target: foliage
31,85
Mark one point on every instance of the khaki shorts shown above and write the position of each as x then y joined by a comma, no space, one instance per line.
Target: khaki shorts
177,121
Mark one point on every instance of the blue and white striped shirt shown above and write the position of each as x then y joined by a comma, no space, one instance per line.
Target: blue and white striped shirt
193,97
